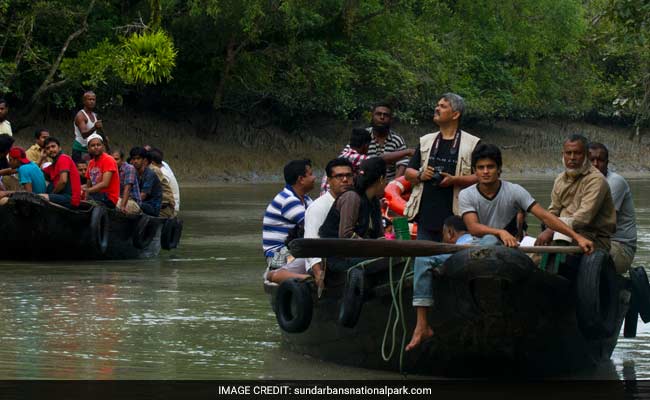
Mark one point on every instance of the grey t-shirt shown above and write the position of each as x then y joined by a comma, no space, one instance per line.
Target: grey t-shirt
625,216
501,209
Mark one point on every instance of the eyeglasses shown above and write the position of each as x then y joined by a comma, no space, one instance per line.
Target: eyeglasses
340,177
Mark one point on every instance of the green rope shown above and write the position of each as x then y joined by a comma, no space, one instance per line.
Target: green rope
398,306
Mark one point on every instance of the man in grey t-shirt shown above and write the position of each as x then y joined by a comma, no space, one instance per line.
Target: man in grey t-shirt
492,203
624,240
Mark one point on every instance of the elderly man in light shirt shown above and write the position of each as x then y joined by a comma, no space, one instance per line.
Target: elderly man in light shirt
339,178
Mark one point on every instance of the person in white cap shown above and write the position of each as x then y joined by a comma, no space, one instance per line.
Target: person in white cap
103,177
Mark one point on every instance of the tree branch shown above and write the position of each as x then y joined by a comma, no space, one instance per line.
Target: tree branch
46,85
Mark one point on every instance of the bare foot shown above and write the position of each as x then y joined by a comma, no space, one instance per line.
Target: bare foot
419,336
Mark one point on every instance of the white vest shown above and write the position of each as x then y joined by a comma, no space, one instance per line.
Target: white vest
463,168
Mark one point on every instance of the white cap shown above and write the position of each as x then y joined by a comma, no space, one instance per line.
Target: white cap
94,136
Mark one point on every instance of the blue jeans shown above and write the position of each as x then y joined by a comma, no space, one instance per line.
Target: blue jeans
423,269
423,272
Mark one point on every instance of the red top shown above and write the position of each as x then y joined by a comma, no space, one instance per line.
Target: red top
63,163
96,170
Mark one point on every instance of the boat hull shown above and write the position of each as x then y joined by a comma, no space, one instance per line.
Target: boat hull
500,322
32,228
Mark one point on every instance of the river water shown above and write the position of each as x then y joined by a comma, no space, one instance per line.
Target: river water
198,312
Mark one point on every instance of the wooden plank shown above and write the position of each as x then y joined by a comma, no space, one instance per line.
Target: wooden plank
395,248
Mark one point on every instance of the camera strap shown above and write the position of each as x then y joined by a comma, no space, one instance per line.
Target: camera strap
436,144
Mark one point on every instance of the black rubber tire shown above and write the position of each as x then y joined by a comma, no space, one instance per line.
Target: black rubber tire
352,300
597,292
145,232
171,233
641,292
294,305
99,229
631,319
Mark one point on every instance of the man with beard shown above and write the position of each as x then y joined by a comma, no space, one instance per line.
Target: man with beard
581,198
385,140
103,185
65,185
624,240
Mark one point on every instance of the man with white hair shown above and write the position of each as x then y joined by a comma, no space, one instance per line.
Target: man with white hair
103,177
581,197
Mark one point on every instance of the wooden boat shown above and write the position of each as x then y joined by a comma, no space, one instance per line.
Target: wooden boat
495,313
33,228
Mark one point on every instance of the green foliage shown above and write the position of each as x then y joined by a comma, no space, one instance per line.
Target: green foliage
147,58
294,60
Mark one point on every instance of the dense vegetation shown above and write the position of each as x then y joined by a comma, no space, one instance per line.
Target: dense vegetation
287,62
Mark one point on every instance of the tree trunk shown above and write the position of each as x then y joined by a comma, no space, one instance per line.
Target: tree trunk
232,49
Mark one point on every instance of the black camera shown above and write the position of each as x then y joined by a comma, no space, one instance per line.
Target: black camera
437,175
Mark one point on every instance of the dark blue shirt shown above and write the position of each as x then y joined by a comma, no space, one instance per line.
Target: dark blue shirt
150,184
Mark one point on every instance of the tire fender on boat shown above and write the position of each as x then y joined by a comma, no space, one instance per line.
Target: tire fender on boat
397,194
144,233
597,293
294,305
99,229
171,233
352,300
631,319
641,292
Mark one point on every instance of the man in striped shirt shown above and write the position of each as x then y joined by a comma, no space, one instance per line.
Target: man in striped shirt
284,218
386,140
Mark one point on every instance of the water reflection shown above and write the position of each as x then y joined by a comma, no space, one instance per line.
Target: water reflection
198,312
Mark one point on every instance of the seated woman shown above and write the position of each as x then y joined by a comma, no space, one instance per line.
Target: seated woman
357,212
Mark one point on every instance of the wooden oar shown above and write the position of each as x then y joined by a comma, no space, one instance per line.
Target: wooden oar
395,248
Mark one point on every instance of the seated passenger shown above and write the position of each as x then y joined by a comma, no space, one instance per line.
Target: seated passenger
357,213
168,205
82,168
492,203
30,177
37,152
283,218
103,183
9,182
65,185
150,187
169,174
581,197
454,231
623,242
339,179
129,201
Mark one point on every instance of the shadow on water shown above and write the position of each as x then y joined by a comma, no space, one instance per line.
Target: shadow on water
198,312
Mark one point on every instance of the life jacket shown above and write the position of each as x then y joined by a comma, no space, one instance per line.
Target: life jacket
368,210
463,168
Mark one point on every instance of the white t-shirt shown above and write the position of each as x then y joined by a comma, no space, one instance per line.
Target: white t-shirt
314,218
5,128
173,184
498,211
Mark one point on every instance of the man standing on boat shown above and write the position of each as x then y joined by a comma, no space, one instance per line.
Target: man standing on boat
623,243
85,124
103,177
489,206
581,197
384,140
284,217
340,178
65,184
440,168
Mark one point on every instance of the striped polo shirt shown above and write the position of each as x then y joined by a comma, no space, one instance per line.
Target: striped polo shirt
282,214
